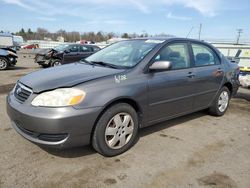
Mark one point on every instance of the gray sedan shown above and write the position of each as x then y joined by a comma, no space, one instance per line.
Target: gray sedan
106,98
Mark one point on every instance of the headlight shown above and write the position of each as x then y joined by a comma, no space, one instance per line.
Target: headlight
59,97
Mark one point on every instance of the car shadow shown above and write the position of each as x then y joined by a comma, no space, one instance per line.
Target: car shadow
170,123
243,94
70,152
16,68
88,150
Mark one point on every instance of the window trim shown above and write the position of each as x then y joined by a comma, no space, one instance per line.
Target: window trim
209,47
168,44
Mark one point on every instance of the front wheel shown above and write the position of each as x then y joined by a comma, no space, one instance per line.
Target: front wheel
3,63
221,102
116,130
56,62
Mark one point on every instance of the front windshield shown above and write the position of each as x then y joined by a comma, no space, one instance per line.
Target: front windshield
61,47
124,53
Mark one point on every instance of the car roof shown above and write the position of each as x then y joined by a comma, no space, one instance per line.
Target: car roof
91,45
169,39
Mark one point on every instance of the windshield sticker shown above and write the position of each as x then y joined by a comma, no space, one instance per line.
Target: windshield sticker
119,78
154,41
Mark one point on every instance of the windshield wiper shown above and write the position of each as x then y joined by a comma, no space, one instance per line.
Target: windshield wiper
87,62
106,64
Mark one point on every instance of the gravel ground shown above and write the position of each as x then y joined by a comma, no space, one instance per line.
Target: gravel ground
196,150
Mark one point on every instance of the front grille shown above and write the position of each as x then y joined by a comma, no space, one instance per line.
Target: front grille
42,136
52,137
22,92
28,132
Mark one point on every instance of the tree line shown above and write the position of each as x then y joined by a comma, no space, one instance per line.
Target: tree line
73,36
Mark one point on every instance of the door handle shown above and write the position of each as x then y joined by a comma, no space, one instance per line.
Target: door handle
219,70
190,75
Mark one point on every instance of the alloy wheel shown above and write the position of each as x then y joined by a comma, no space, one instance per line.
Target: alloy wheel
2,64
223,101
119,130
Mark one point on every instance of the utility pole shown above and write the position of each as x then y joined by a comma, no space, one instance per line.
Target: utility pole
239,34
200,31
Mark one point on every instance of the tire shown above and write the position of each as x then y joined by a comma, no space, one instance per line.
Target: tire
221,102
56,62
44,66
112,135
3,63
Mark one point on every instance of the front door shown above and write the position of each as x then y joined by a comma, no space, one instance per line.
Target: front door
84,52
171,92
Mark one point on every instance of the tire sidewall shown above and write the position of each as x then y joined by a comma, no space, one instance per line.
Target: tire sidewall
103,122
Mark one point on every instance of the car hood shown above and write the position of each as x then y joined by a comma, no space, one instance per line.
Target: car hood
65,76
43,51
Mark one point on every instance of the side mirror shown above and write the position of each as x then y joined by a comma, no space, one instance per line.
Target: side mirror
161,65
66,51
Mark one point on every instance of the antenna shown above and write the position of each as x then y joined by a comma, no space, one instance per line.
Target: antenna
190,31
240,31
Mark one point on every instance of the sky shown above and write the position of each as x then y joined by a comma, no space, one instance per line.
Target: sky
219,18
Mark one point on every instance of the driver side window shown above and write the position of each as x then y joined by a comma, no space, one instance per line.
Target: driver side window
177,54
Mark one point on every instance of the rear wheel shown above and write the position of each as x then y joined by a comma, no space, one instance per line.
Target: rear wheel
116,130
3,63
221,102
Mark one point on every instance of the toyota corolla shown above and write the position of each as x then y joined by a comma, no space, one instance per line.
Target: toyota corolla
105,99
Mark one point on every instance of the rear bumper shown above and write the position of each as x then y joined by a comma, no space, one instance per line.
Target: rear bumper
55,127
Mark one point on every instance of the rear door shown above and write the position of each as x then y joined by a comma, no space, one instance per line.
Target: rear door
209,73
72,55
171,92
85,51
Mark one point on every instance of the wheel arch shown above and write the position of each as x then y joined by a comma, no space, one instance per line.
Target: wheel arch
229,86
126,100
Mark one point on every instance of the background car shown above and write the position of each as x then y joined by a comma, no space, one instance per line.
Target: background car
7,58
65,53
30,46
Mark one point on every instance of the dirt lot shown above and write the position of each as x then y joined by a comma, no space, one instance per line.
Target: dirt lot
196,150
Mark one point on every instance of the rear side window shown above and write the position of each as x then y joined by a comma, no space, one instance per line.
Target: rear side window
85,49
177,54
96,48
204,56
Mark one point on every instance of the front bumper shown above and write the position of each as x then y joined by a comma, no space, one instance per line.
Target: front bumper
55,127
12,60
42,60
